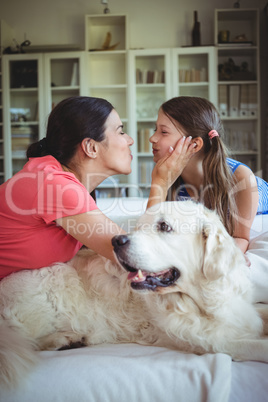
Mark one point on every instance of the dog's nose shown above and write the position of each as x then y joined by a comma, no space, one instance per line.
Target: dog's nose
120,240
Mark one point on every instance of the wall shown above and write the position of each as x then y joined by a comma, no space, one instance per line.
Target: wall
152,23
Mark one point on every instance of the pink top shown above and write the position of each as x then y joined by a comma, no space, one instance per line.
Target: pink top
29,204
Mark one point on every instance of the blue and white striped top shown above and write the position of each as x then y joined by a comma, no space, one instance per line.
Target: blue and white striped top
262,188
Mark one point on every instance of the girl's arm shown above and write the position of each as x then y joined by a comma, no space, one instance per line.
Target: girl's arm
168,169
247,198
93,229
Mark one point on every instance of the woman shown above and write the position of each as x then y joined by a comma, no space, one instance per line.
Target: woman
46,210
205,174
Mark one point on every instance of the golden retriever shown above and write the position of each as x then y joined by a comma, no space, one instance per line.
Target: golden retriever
181,282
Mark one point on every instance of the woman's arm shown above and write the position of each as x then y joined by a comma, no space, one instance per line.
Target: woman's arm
168,169
247,198
93,229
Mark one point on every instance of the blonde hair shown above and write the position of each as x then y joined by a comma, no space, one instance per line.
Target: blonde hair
197,117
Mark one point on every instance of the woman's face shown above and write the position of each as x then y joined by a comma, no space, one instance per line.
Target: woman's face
167,133
117,155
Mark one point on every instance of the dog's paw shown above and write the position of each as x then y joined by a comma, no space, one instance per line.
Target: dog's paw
75,345
62,341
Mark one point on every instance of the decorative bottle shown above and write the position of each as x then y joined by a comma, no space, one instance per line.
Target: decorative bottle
196,37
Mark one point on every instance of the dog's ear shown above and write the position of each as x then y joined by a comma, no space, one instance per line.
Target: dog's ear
218,250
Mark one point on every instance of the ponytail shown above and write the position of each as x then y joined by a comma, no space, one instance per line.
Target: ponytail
219,181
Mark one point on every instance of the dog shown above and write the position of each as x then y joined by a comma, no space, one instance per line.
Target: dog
180,282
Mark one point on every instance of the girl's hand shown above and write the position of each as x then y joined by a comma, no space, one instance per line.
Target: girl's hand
170,167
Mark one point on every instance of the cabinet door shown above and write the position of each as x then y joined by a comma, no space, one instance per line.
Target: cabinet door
194,72
106,42
236,39
23,107
6,38
64,76
107,78
149,85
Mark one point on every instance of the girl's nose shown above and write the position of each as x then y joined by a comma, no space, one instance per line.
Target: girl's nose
152,138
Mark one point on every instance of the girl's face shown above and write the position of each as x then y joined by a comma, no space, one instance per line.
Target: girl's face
167,133
116,151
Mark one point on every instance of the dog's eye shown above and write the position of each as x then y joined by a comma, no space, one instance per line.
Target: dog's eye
164,227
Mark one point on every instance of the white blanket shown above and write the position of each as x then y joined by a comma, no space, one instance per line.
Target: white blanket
127,373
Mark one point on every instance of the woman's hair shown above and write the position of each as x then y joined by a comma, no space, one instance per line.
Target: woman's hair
197,117
72,120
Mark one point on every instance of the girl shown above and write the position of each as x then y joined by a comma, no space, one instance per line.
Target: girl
204,174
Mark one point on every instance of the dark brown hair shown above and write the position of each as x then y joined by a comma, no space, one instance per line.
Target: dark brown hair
197,117
72,120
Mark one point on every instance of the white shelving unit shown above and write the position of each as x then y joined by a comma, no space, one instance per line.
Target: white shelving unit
137,82
6,36
149,87
193,72
24,107
238,81
33,84
107,76
155,76
65,76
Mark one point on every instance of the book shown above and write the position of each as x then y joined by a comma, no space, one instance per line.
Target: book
144,145
234,93
74,79
252,100
244,106
223,100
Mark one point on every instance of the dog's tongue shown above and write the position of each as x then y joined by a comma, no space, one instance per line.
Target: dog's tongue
136,276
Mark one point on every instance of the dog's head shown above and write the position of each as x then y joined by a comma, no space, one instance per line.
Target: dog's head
175,247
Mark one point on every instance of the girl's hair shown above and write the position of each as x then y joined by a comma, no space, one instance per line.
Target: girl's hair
197,117
72,120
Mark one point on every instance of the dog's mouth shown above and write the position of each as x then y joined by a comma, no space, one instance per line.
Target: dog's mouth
150,280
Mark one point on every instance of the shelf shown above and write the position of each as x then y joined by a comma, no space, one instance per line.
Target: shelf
150,86
237,22
24,89
107,54
193,84
145,154
239,118
238,83
98,26
24,123
243,50
244,153
146,119
103,87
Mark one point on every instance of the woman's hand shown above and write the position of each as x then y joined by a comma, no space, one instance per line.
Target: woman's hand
169,168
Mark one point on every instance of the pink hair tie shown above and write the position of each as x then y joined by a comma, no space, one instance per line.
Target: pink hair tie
212,134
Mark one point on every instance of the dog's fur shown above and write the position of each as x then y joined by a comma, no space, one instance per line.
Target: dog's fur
196,296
